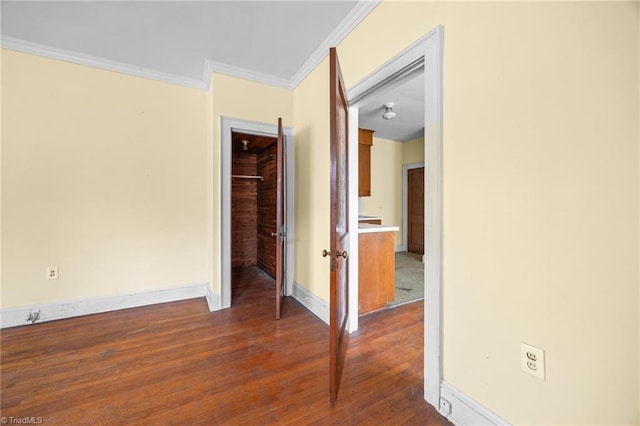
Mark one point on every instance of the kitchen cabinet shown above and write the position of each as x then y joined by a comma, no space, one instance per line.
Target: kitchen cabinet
376,267
365,142
372,220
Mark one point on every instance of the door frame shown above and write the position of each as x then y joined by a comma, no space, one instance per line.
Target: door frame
405,202
426,52
228,125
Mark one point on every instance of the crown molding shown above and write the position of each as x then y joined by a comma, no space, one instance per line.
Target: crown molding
97,62
247,74
353,18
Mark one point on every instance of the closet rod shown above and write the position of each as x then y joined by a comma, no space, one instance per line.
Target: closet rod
247,177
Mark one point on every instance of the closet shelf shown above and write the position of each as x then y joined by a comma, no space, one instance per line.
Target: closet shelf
247,177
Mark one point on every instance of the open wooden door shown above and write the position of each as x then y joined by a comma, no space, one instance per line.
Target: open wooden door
280,233
339,231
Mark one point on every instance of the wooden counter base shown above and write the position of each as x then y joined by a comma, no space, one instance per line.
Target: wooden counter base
376,270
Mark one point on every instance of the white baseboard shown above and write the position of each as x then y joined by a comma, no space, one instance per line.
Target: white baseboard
461,410
400,248
11,317
317,306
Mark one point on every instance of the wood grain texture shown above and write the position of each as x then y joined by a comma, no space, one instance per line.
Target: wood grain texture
257,143
338,223
371,221
178,363
267,168
365,142
244,210
376,270
364,171
365,137
415,228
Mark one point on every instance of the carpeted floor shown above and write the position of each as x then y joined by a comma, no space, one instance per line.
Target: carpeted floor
409,278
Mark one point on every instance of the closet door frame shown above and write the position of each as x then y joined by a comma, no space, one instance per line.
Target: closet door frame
228,125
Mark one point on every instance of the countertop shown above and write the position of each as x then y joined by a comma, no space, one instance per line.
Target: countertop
361,217
364,228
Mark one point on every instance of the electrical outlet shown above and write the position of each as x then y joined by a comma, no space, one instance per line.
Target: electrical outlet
33,317
532,360
445,407
52,273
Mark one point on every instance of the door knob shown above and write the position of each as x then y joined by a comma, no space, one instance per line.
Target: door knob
274,234
338,254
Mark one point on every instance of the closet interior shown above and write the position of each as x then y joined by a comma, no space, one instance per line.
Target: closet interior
253,202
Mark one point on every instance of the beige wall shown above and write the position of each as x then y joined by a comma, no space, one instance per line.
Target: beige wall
387,159
247,100
386,184
541,193
413,151
108,172
104,176
115,180
311,107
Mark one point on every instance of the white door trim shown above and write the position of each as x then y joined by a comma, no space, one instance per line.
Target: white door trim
352,155
405,202
428,50
227,126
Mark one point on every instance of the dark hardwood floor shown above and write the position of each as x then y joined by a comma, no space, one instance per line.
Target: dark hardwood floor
178,363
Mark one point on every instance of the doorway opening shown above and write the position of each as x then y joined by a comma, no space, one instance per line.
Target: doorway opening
261,135
426,52
253,212
395,195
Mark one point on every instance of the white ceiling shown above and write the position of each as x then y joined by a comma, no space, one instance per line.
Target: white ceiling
276,42
270,37
408,99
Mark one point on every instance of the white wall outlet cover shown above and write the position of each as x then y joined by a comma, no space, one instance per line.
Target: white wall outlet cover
532,360
445,407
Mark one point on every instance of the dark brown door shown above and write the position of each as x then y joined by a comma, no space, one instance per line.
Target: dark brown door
415,215
280,215
339,231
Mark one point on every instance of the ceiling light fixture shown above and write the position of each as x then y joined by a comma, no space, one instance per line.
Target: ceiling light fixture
245,144
388,113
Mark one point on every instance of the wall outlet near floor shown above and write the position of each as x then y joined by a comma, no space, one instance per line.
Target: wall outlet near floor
52,273
445,407
33,317
532,360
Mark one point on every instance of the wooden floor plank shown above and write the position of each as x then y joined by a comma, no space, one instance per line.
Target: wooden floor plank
178,363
